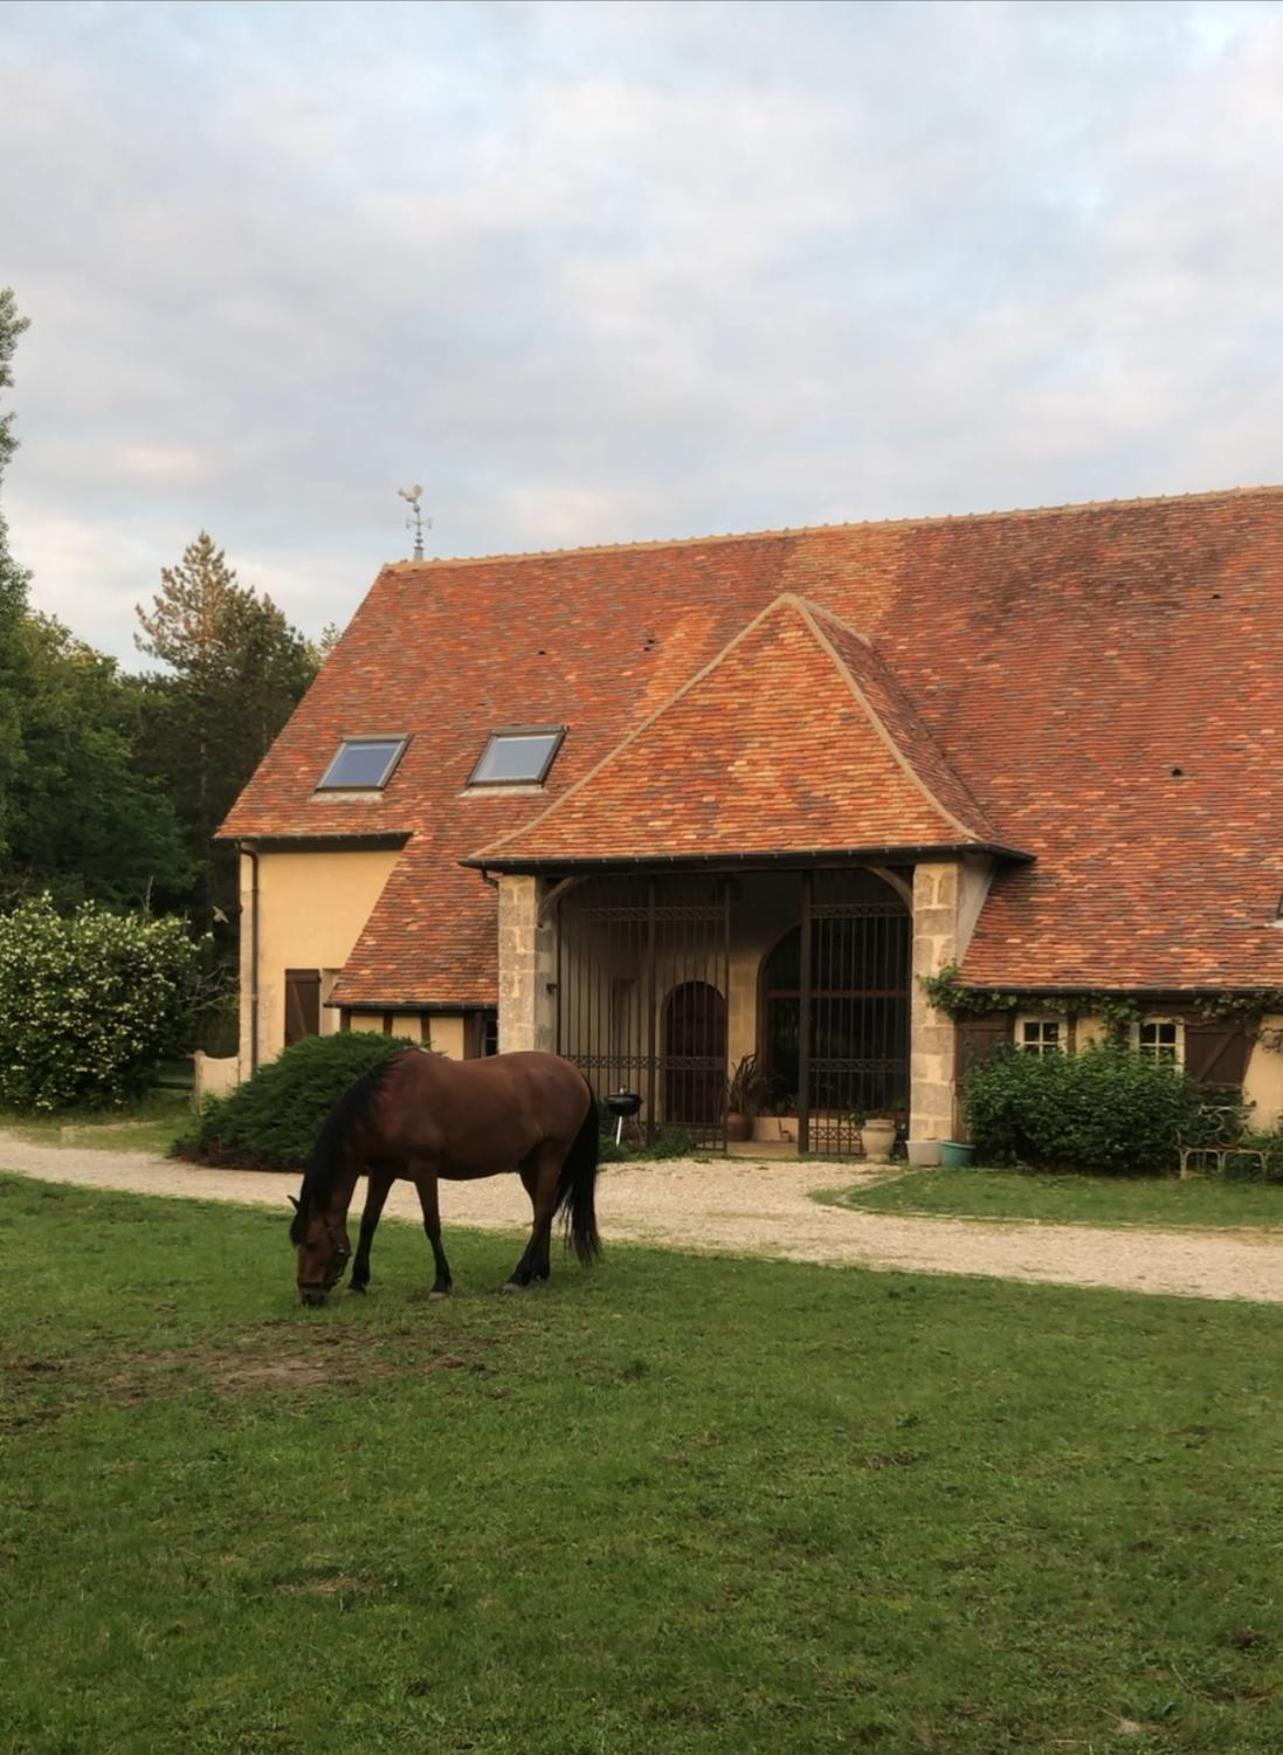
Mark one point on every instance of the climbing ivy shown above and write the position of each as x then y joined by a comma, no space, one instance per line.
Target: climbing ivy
949,993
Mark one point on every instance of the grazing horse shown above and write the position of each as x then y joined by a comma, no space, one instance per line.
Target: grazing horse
422,1117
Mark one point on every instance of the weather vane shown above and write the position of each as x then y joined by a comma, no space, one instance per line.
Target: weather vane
416,521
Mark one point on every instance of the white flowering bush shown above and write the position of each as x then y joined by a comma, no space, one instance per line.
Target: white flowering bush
89,1003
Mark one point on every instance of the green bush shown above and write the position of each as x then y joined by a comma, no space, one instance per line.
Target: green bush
1245,1169
272,1120
90,1003
670,1141
1104,1110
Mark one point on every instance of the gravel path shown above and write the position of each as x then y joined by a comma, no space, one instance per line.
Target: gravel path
738,1207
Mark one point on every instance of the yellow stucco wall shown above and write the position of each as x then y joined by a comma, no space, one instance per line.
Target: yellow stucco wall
311,909
444,1033
447,1036
1086,1031
1263,1085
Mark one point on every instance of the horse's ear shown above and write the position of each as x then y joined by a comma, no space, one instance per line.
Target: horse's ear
294,1203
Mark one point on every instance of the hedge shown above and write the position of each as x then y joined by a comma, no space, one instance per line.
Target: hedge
271,1121
1105,1110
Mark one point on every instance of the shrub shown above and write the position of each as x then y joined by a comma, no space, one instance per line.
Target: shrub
90,1003
271,1121
1104,1110
1245,1169
670,1141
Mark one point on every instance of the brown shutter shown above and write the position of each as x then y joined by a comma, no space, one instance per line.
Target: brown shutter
977,1038
1216,1053
302,1004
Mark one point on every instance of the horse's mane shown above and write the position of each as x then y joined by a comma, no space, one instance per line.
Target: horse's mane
327,1154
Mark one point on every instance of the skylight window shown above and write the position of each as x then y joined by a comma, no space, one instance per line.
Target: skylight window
519,757
363,764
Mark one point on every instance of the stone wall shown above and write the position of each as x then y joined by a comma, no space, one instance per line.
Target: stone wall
527,968
947,899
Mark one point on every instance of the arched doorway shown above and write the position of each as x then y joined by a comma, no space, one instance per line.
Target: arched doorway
695,1055
855,1060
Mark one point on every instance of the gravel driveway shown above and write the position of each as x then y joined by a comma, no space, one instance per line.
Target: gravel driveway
737,1207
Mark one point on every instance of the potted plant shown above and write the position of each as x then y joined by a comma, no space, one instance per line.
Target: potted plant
746,1090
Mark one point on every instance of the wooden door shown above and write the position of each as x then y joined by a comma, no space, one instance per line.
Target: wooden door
695,1055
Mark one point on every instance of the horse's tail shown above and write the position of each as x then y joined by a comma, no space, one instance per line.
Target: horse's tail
578,1180
326,1159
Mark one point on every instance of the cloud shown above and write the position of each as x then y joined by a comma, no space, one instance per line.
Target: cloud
601,272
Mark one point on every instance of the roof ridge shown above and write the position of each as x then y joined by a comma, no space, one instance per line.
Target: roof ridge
806,613
884,731
930,518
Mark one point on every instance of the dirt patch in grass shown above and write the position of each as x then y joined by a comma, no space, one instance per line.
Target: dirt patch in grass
38,1390
334,1584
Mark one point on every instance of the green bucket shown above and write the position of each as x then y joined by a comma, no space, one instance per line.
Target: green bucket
955,1156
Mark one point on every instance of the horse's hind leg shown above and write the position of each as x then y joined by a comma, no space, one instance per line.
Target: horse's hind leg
374,1199
539,1174
426,1183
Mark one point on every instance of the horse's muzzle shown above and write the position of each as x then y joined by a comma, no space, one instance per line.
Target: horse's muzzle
313,1294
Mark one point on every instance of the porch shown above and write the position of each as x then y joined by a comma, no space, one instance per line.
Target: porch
661,982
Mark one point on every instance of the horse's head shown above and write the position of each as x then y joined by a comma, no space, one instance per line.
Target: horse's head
323,1249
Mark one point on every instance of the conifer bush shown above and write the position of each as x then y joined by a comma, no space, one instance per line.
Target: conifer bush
272,1120
90,1003
1105,1110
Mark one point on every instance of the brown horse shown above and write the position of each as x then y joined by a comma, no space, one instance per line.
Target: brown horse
422,1117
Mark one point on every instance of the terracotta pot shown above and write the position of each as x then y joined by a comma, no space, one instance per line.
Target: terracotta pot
775,1129
877,1137
739,1127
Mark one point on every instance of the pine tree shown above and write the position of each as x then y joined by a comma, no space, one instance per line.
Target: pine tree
235,670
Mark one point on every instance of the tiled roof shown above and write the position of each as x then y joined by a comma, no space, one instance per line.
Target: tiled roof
794,739
1042,674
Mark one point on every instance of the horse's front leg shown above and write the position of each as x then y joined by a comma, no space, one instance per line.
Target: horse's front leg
539,1175
375,1196
426,1183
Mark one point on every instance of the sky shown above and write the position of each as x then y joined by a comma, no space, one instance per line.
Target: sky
615,272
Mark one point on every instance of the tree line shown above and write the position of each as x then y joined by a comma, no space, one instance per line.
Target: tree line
112,783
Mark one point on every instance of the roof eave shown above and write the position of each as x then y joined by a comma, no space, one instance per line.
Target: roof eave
897,853
387,840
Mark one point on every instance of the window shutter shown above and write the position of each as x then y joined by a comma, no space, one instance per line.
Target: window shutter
1216,1053
302,1004
977,1038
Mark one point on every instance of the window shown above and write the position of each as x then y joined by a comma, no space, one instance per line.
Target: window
363,764
481,1037
302,1004
1040,1035
1160,1039
521,756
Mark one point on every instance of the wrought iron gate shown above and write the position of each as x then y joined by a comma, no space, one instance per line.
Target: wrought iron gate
642,987
859,1003
835,1028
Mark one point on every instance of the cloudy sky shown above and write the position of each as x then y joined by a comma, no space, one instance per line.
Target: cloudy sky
606,272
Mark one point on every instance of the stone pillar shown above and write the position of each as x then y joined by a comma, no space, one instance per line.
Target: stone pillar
947,899
527,968
931,1035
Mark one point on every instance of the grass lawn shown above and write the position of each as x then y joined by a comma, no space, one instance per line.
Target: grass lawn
676,1504
150,1125
1159,1201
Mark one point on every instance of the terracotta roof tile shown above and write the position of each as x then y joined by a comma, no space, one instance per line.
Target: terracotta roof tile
1043,673
794,739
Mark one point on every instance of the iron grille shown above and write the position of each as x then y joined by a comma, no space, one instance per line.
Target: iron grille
642,982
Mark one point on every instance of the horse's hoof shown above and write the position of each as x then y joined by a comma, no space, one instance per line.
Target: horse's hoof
435,1297
512,1286
360,1289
